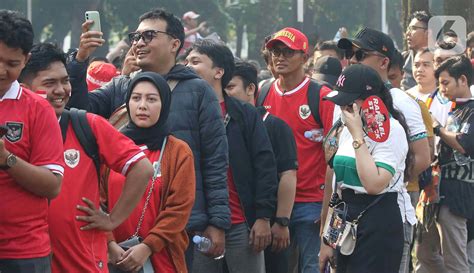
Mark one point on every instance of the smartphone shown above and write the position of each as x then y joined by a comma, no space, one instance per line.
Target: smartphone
3,130
94,16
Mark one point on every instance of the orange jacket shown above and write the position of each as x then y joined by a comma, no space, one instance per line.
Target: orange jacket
177,200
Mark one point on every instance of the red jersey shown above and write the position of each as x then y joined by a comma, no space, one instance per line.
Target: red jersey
237,215
161,261
75,250
34,136
292,107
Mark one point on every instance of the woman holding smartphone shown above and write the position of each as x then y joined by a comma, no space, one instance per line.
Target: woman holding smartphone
366,170
161,216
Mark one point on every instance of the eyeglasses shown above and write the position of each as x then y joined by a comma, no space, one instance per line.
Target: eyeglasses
286,51
146,35
361,54
414,28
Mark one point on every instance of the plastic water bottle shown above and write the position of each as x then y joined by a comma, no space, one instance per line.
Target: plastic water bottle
453,126
315,135
203,244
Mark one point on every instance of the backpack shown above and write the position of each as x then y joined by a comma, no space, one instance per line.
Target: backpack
314,90
83,132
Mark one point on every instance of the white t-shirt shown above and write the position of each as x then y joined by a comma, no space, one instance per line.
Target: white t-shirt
439,107
412,112
389,155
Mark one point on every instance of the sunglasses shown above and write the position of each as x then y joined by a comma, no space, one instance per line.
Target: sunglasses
146,35
285,51
361,54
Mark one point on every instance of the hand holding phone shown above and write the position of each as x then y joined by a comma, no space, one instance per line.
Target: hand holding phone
93,16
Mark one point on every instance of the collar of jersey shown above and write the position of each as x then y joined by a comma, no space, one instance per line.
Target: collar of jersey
296,89
14,93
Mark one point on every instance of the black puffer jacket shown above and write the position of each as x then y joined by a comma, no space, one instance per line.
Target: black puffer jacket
195,118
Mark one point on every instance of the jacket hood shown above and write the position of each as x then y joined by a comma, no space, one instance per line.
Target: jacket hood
180,72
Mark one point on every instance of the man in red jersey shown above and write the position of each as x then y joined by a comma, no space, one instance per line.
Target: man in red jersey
288,100
76,248
31,165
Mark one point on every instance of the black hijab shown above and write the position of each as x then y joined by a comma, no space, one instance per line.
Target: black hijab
153,136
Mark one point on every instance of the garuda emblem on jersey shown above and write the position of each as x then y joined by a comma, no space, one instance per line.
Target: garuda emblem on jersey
72,157
304,111
15,131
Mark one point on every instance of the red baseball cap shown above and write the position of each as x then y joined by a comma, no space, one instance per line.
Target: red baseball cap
291,37
98,74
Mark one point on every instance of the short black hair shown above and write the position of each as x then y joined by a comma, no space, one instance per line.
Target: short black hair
456,66
42,56
329,45
174,27
264,52
220,55
422,16
16,31
247,72
423,50
397,60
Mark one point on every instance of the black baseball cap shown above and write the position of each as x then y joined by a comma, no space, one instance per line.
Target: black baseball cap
327,69
369,39
357,81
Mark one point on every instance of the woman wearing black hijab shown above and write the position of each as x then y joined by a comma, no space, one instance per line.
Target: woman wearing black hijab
168,200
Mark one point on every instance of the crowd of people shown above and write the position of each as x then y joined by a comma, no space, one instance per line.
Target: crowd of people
344,156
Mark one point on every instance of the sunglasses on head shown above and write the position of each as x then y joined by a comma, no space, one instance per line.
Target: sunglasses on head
286,51
146,35
361,54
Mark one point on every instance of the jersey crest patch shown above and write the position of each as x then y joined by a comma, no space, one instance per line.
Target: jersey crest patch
72,157
15,131
304,111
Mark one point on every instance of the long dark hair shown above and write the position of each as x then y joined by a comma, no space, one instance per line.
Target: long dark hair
387,99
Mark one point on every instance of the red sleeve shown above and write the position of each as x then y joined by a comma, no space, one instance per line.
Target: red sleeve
326,109
116,150
46,140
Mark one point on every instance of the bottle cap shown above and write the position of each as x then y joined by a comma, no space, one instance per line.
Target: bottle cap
197,239
308,134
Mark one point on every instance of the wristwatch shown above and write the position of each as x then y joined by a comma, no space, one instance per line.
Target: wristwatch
437,129
10,162
357,143
282,221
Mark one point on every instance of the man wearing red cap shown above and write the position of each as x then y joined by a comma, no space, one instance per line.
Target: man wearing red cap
98,74
288,100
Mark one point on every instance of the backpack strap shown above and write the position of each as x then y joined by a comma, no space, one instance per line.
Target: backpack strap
64,123
85,136
314,91
262,94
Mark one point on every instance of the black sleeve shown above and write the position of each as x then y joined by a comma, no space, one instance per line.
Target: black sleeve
77,75
283,143
214,159
466,136
263,159
100,101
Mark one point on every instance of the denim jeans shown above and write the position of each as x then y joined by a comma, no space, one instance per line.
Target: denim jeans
305,234
35,265
239,255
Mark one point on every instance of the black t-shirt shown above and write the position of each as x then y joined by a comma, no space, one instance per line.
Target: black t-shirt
457,182
282,139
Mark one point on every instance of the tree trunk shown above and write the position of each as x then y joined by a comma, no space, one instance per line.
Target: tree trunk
265,24
240,33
